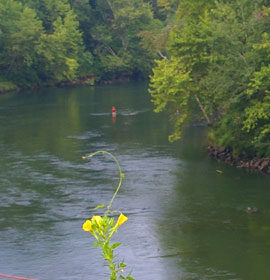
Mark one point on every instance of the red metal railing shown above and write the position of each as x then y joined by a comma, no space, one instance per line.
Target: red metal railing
15,277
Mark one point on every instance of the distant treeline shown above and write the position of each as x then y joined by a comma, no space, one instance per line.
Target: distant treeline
44,42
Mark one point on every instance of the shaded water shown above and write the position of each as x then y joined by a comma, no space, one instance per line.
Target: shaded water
185,220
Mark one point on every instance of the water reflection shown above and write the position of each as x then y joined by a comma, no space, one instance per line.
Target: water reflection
210,229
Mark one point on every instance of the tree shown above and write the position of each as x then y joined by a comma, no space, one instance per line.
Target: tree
116,32
20,33
84,12
48,11
257,114
231,76
219,64
176,81
59,50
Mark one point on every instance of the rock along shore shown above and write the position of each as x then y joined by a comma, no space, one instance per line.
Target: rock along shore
254,164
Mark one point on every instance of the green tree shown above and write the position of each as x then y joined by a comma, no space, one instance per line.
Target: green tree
48,11
236,29
20,33
116,32
176,81
219,64
59,50
257,113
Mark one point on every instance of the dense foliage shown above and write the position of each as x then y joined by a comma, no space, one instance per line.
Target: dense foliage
51,41
218,69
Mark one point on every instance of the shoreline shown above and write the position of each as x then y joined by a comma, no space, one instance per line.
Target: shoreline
223,154
83,81
80,82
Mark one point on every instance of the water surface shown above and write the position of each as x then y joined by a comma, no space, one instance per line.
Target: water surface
185,220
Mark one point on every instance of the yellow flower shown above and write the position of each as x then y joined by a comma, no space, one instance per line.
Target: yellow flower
96,219
87,226
121,219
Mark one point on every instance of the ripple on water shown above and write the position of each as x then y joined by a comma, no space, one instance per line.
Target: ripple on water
86,136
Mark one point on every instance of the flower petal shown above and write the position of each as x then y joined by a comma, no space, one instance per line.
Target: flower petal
121,219
87,226
96,219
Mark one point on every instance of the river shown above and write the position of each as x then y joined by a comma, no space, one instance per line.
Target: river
186,220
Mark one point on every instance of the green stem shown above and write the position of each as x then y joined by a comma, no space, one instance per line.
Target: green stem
121,175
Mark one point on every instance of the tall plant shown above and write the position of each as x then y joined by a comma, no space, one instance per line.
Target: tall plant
104,227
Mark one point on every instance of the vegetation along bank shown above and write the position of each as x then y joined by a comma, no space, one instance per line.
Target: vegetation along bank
44,42
217,68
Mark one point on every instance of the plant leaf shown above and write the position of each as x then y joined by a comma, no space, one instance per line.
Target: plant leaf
100,206
115,245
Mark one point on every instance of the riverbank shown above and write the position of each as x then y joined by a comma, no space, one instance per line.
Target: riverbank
88,80
261,164
6,87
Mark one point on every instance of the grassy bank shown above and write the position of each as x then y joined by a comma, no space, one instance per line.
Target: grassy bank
7,87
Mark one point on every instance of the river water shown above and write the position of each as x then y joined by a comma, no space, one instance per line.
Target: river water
186,221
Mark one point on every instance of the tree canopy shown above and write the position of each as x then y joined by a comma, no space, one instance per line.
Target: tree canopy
50,41
218,70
